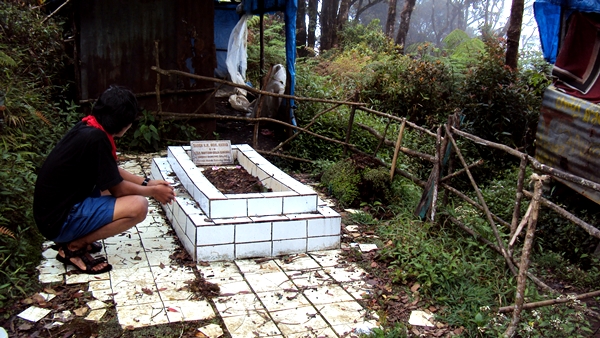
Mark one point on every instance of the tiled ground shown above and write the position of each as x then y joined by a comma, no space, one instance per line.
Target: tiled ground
306,295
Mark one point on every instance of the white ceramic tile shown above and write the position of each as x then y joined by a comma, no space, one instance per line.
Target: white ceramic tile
136,292
282,300
295,217
314,333
228,208
327,293
269,281
237,305
188,244
126,257
271,218
309,278
95,315
242,196
288,247
358,289
129,275
153,232
72,277
253,324
164,243
219,270
104,295
51,278
188,205
299,204
51,267
223,252
297,262
327,211
343,313
323,243
289,229
253,232
231,286
201,198
324,227
186,310
198,220
172,273
159,257
174,290
135,316
234,220
213,235
99,285
207,188
265,206
34,313
298,320
251,266
255,249
346,273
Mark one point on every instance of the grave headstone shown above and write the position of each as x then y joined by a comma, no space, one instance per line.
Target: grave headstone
216,152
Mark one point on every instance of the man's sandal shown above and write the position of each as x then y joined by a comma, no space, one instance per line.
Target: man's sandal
90,263
94,247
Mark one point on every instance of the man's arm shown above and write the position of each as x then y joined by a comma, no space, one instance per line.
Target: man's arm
160,190
127,176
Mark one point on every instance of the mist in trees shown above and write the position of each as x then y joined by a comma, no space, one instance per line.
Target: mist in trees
409,22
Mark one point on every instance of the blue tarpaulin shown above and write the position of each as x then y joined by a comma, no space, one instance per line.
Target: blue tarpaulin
548,16
289,8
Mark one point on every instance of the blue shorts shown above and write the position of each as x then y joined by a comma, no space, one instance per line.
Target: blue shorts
87,216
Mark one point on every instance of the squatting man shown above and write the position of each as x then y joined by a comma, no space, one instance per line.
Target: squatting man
82,195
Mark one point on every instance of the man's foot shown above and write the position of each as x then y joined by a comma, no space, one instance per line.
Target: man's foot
91,248
83,261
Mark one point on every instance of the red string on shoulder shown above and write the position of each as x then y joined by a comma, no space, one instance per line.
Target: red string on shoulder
91,121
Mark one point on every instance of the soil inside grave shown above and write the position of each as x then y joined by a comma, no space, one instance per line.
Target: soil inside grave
234,181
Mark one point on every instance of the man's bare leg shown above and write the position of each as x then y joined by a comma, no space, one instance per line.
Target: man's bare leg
129,211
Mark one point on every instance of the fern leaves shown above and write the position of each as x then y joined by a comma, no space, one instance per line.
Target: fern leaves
5,231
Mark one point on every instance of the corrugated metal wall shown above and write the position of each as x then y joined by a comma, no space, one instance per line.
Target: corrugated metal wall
117,46
568,138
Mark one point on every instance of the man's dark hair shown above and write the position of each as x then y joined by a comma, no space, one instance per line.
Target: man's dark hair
115,109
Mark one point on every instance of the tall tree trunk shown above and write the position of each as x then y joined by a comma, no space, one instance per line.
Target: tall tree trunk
329,10
513,35
342,17
301,34
312,22
409,5
391,19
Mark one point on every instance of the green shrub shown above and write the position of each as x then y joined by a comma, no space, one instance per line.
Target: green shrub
36,115
341,180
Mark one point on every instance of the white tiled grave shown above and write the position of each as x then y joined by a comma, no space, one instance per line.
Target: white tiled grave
213,226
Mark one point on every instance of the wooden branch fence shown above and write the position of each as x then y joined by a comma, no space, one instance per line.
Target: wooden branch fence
445,142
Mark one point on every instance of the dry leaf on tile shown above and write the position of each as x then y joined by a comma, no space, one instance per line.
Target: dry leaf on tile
147,291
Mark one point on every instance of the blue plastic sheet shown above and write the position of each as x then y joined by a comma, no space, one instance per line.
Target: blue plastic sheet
548,16
289,8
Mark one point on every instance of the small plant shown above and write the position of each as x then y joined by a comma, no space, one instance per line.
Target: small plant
341,181
5,231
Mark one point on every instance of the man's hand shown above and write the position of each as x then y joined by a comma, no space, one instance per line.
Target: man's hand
162,191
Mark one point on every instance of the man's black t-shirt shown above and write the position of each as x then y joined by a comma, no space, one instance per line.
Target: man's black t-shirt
81,161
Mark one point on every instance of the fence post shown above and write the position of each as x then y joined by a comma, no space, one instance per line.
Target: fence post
525,255
349,130
517,210
397,149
